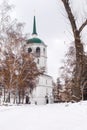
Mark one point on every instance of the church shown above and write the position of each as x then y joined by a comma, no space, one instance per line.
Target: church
42,94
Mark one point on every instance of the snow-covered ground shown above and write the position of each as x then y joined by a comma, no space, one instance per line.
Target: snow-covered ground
63,116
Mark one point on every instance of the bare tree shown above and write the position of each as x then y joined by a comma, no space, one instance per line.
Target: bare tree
18,70
56,90
26,74
67,72
78,46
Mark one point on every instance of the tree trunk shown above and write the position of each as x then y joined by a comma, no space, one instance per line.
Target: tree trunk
79,49
9,97
22,96
19,96
4,94
79,67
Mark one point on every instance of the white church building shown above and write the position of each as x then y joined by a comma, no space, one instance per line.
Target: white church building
42,94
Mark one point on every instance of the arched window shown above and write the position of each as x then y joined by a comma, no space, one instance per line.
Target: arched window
38,52
29,50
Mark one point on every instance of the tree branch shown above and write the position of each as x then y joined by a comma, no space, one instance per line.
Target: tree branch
70,15
82,26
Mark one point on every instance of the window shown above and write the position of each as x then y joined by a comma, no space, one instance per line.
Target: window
29,50
38,52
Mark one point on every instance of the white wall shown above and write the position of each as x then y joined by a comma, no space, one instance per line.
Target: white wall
43,89
43,56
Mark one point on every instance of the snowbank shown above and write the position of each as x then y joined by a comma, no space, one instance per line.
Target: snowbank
62,116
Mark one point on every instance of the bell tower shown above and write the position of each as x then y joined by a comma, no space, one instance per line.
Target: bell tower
38,48
42,94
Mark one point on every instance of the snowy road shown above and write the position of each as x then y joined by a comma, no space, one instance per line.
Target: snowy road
47,117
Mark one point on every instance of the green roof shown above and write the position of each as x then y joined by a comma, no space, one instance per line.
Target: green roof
35,40
34,26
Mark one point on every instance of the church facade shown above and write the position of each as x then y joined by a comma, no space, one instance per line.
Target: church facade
42,94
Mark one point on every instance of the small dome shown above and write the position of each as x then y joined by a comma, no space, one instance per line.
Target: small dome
35,40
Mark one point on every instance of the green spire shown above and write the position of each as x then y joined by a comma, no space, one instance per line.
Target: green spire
34,26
